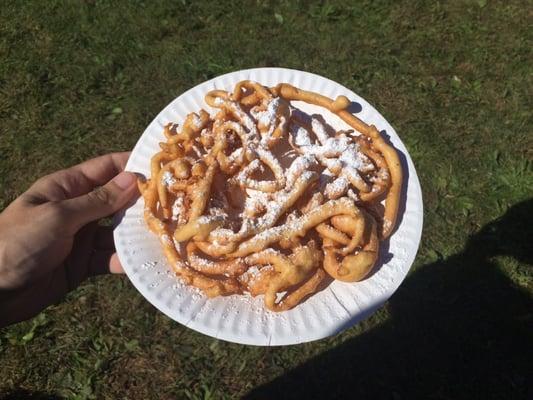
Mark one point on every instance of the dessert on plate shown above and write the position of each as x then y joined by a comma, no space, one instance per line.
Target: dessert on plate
260,197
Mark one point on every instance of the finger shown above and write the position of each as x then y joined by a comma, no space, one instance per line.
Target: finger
101,202
79,179
115,267
101,169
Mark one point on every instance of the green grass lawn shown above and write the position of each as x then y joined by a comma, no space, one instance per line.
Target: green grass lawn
83,78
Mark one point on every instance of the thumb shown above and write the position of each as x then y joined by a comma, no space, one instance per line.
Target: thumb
102,201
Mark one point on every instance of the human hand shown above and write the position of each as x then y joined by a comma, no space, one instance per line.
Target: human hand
50,240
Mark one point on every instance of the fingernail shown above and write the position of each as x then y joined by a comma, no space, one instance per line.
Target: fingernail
124,180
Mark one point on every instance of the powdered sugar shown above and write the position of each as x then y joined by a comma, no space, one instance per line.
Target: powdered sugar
268,158
353,158
248,122
243,176
200,262
178,211
337,188
298,166
251,274
196,121
352,195
167,179
217,212
197,151
255,203
268,117
235,154
219,234
207,219
166,239
275,116
340,155
319,130
301,137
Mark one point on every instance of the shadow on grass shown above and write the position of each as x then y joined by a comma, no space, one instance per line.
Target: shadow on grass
26,394
459,328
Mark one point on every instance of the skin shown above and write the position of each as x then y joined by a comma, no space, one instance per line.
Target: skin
50,240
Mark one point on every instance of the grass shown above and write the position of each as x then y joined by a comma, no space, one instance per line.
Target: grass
82,78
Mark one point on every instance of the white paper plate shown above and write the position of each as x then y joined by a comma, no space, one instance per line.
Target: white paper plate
243,319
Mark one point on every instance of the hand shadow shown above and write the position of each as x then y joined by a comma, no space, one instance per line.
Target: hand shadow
459,328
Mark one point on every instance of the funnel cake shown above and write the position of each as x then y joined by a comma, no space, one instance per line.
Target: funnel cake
262,198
